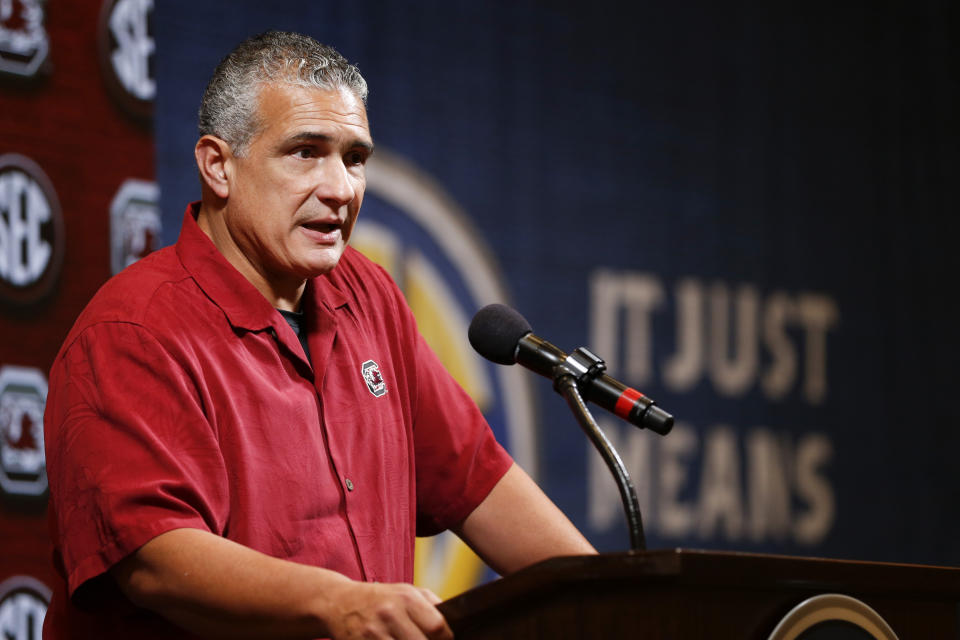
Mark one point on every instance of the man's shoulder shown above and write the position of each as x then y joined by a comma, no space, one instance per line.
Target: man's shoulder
138,293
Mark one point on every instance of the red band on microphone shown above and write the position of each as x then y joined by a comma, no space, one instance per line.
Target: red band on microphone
626,401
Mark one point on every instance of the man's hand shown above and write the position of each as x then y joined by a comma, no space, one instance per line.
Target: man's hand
370,610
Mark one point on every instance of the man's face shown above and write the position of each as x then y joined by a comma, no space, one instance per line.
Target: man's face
295,194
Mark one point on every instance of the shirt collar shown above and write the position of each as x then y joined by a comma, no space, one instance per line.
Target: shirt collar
244,306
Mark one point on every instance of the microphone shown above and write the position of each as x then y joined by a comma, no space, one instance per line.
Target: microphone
502,335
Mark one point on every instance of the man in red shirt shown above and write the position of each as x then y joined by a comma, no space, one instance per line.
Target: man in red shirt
245,431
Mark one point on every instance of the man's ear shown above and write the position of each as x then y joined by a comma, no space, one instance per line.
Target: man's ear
214,160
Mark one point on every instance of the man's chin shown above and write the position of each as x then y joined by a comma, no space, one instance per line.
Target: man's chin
322,262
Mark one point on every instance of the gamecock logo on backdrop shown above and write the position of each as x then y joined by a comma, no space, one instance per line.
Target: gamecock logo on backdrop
23,606
31,231
23,395
134,223
24,44
127,54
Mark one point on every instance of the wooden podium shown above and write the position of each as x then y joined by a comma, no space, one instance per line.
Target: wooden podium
678,594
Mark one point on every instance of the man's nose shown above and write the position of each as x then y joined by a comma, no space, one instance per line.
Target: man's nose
336,186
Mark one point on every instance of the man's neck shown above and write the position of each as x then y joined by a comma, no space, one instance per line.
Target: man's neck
287,303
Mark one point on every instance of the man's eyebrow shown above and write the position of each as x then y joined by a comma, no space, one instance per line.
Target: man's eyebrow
316,136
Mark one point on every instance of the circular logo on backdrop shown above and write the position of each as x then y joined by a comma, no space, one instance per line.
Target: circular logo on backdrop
127,52
416,231
24,44
31,231
23,606
134,223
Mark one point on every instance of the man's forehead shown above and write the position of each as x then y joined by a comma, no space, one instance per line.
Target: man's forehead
286,108
278,94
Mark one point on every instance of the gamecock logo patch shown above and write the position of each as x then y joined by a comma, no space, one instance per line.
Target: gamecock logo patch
373,378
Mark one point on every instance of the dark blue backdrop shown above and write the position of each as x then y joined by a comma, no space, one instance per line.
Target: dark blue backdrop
808,150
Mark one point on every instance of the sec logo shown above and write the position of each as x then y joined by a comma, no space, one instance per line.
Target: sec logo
31,231
127,52
23,606
23,395
415,230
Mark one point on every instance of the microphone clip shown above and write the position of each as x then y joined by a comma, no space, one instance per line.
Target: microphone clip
582,365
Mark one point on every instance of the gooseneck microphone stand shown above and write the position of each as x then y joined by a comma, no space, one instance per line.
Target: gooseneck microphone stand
582,366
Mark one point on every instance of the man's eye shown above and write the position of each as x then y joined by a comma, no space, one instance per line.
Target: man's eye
305,153
356,157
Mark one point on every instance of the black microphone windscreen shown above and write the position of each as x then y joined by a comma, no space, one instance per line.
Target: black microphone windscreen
495,331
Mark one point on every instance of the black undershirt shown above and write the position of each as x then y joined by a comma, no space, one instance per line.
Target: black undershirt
296,319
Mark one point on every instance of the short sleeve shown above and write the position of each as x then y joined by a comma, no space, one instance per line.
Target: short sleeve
130,453
458,460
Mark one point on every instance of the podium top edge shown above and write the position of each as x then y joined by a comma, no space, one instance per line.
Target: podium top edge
696,568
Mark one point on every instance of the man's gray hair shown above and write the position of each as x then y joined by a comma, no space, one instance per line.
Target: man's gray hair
229,106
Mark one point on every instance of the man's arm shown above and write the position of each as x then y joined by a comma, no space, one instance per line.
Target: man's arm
217,588
517,525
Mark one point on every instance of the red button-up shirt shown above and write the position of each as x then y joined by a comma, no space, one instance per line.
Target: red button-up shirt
181,398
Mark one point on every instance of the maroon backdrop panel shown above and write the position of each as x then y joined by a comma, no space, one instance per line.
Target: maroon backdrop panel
70,140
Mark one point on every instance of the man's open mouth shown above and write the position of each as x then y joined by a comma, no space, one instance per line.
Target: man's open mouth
323,227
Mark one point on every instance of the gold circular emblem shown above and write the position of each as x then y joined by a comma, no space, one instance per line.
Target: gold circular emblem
829,610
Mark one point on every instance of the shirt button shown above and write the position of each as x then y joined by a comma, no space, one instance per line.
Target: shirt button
349,484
